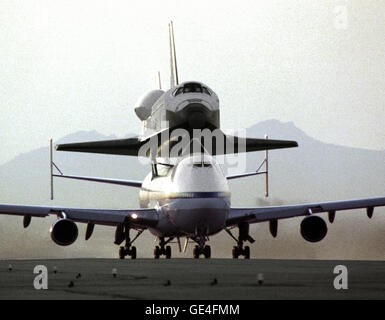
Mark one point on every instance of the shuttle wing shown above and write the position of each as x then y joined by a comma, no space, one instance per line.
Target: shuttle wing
125,147
139,218
131,146
255,215
128,147
253,144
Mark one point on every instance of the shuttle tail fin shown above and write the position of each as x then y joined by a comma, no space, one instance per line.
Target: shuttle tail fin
174,81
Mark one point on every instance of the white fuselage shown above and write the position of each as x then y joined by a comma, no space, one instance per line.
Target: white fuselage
193,197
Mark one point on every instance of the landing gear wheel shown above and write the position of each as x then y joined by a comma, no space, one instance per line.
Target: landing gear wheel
122,253
133,253
235,252
207,252
156,252
196,252
168,252
246,252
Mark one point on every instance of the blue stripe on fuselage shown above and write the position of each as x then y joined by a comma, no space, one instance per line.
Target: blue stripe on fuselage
175,195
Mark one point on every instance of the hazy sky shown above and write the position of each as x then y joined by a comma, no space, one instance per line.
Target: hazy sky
81,65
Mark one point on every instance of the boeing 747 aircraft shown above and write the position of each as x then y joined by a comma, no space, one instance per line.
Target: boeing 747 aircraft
184,196
190,200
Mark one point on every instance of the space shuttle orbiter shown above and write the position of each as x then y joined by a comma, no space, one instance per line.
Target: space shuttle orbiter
189,105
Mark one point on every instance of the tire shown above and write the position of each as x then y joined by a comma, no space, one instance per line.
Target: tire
196,252
168,252
156,252
133,253
235,252
122,253
246,252
207,252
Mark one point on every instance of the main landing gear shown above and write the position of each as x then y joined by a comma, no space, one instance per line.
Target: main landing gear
123,234
127,251
201,248
240,251
162,249
243,236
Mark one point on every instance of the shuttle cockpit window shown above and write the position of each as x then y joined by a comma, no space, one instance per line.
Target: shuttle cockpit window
190,88
205,90
178,91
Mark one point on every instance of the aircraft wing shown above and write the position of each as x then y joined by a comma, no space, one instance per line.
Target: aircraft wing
255,215
140,218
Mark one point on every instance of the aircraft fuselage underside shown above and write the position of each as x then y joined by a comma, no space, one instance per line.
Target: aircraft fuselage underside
201,214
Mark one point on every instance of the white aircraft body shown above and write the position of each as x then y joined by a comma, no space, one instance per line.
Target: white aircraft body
187,197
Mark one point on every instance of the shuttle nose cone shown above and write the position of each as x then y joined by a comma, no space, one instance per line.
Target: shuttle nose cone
196,120
197,115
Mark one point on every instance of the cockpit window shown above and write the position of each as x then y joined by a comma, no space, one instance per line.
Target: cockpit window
178,91
192,87
205,90
202,164
161,170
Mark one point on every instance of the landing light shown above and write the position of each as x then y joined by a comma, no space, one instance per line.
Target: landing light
134,216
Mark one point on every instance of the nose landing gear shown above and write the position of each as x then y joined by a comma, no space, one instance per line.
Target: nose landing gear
206,251
162,250
201,248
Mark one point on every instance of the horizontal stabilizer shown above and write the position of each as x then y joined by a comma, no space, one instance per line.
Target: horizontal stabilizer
127,183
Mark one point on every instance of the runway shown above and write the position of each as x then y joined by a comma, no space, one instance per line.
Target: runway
191,279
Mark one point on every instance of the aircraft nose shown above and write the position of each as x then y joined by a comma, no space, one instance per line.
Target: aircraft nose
197,115
196,120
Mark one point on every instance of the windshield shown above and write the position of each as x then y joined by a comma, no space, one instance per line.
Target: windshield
192,87
163,170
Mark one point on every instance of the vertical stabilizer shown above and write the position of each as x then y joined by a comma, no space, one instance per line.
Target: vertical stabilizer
174,70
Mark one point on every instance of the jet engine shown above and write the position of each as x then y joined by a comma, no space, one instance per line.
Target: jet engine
64,232
313,228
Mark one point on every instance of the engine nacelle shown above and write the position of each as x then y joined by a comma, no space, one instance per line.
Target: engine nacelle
313,228
64,232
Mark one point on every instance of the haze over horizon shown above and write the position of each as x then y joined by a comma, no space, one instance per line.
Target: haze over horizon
314,172
70,66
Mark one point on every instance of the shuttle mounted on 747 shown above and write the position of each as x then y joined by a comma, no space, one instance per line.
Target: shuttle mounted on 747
186,194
